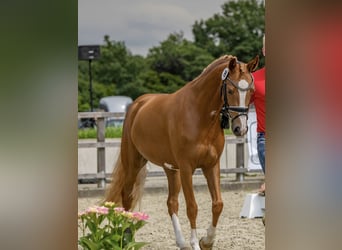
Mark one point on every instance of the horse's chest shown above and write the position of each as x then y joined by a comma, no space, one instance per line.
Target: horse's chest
208,154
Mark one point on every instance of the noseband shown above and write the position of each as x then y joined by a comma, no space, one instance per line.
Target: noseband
225,111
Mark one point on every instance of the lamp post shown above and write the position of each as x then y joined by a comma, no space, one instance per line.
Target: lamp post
89,53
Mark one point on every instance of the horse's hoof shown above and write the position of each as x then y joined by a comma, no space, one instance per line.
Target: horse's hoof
205,246
264,220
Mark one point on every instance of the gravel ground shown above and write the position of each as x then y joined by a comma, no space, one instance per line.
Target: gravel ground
232,232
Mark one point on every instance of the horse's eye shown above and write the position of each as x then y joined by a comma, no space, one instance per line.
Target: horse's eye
230,91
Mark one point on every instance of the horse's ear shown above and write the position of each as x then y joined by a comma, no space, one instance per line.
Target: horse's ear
253,64
232,64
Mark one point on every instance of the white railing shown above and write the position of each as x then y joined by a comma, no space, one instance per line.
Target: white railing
101,177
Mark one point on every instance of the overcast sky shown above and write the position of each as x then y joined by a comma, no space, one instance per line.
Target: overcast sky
141,24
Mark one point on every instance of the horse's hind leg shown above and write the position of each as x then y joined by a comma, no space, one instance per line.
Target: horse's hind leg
213,179
174,186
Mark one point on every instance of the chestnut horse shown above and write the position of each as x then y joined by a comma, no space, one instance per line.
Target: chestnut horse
180,132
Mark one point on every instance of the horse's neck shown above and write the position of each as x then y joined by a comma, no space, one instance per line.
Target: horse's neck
207,97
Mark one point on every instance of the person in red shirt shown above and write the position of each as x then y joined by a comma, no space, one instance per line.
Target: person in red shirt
258,99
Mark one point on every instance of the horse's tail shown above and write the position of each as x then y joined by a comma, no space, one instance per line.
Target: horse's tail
128,178
114,192
138,188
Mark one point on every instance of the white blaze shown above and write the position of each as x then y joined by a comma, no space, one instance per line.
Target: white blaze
243,84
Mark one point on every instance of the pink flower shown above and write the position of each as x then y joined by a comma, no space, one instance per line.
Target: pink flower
91,210
119,209
97,210
102,210
140,216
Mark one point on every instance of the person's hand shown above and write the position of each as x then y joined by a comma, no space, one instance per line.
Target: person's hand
262,189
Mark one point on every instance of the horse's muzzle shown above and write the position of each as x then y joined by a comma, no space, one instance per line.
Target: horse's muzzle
237,131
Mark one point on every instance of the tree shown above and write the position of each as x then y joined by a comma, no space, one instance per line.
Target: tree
178,57
115,69
99,90
237,31
117,65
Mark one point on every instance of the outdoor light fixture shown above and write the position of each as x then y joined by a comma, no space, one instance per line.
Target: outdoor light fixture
89,53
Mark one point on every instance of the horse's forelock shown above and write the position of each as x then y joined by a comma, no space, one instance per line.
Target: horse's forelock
243,68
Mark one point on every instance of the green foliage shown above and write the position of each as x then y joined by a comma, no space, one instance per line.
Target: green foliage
178,56
91,133
110,227
227,131
87,133
111,74
117,65
237,31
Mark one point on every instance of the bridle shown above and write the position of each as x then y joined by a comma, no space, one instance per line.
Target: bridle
225,111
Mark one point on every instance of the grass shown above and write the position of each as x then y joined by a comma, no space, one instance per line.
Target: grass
91,133
112,132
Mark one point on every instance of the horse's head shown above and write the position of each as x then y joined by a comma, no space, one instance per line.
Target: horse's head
237,89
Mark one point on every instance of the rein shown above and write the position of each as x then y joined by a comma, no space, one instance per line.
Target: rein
225,110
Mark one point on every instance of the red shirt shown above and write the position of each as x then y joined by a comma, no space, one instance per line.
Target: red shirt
258,98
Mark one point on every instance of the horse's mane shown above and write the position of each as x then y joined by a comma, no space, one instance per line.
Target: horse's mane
214,64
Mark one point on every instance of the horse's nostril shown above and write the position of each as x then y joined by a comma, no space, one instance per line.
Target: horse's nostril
237,130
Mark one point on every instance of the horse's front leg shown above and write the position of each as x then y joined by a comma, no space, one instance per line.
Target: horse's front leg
191,205
174,185
213,179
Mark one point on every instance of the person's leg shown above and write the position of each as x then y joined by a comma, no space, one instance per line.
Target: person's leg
261,150
261,153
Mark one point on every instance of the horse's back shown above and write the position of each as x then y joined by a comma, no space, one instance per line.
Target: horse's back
148,109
